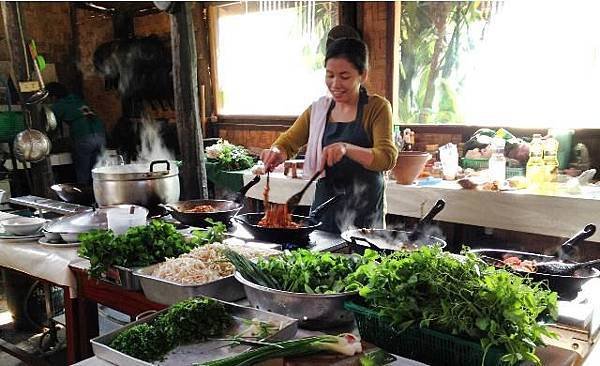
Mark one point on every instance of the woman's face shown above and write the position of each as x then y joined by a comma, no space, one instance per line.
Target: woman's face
343,80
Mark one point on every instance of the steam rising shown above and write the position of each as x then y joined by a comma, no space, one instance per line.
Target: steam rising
151,148
394,236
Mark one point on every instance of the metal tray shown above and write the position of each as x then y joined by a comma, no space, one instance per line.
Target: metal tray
199,352
168,292
123,277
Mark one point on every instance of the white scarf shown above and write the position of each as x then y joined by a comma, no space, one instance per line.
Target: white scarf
313,159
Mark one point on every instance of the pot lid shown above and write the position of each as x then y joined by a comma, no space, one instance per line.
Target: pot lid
85,221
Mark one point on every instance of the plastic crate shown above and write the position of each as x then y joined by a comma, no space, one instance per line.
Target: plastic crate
421,344
477,164
515,172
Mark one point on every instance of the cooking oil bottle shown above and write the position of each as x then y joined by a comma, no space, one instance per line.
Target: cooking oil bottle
536,174
550,165
551,159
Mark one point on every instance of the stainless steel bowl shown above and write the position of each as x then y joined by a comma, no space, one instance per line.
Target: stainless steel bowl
312,311
50,236
70,237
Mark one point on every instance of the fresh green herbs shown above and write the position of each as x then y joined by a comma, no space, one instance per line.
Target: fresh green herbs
139,246
215,233
229,157
430,288
300,271
144,342
191,320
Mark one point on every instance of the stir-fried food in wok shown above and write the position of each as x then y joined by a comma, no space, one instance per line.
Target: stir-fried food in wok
200,208
519,264
276,215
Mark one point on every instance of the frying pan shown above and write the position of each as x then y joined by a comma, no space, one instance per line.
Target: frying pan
224,209
387,241
567,287
80,194
308,224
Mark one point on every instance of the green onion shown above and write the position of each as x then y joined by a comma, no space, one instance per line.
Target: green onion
249,270
346,344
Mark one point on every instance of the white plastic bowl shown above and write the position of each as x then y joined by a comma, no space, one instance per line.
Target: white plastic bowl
23,225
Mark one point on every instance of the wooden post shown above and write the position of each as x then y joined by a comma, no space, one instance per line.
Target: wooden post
185,87
19,59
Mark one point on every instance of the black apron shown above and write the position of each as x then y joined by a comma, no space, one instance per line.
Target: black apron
363,203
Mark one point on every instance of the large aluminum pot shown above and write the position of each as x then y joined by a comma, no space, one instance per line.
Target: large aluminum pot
140,184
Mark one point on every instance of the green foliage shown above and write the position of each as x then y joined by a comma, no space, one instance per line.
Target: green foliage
433,289
421,28
234,157
191,320
215,233
139,246
144,342
194,319
301,271
229,157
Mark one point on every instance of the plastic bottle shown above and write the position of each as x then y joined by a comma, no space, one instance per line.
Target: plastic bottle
551,160
535,165
497,162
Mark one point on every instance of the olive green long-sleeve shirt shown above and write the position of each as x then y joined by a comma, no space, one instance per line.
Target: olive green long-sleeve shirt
377,122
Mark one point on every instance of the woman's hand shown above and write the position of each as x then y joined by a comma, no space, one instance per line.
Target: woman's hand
272,157
333,153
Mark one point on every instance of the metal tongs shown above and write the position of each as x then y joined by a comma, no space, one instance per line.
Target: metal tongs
294,200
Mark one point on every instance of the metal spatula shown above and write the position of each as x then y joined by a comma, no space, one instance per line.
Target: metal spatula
294,200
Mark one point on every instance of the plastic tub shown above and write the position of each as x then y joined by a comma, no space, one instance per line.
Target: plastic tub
122,218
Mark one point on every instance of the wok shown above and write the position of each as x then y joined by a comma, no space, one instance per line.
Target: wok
224,209
388,241
567,287
308,224
80,194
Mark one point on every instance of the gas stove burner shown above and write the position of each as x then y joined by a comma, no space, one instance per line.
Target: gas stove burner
296,244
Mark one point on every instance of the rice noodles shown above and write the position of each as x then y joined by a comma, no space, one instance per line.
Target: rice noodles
276,215
205,264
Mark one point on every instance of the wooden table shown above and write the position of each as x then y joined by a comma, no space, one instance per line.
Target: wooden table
93,292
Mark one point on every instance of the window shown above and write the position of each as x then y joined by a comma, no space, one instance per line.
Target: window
513,63
269,55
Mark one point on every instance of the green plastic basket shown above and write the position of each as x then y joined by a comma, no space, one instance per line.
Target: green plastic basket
515,172
421,344
11,123
477,164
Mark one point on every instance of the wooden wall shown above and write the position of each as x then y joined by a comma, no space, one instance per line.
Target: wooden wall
95,29
48,23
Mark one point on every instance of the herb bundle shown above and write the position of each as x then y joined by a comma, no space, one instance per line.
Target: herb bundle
430,288
215,233
139,246
229,157
191,320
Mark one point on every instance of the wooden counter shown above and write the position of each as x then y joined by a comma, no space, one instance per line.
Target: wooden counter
559,214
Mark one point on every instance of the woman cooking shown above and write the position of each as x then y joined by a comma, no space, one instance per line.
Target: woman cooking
349,134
